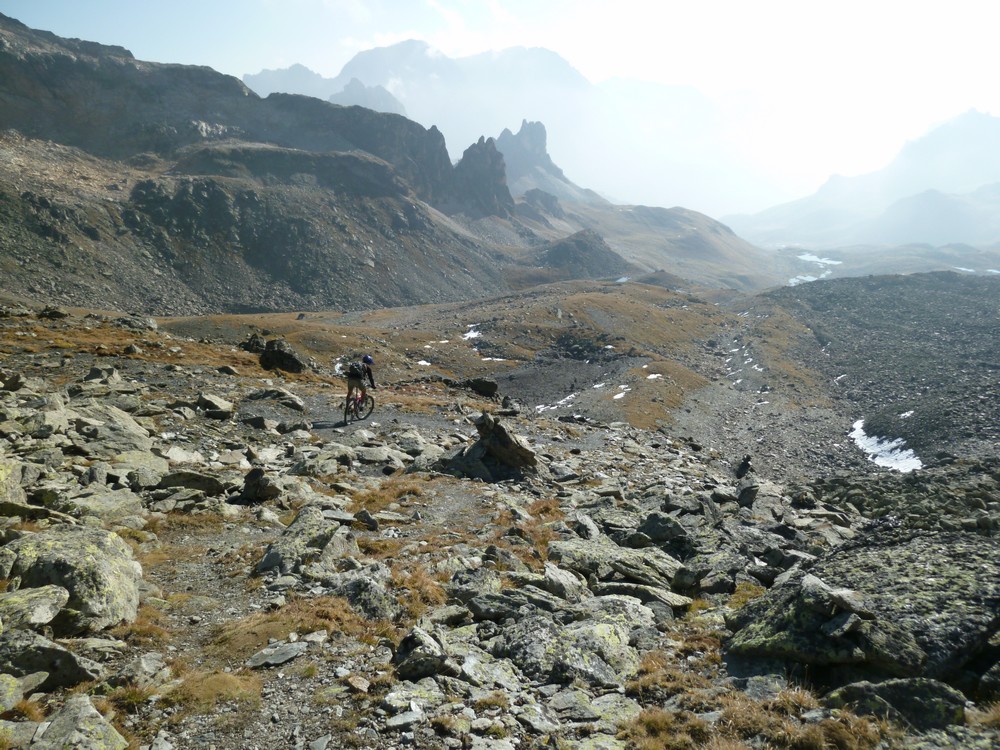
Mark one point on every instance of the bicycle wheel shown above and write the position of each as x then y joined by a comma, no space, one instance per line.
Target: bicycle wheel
366,407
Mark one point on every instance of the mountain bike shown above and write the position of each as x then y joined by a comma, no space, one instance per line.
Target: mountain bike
356,407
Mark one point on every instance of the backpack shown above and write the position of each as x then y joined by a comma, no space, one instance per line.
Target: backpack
355,370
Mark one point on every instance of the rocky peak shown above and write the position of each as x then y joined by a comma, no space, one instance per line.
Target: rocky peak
481,181
373,97
526,151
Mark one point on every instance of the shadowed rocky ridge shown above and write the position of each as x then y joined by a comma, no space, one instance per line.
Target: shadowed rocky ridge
338,185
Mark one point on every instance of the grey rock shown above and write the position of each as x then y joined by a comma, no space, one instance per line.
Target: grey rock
278,354
419,655
78,726
926,603
302,542
651,566
193,480
32,607
95,566
24,653
922,703
661,527
277,654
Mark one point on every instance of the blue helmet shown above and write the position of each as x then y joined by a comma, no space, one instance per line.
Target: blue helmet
367,359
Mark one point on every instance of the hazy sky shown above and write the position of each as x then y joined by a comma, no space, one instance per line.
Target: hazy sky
812,87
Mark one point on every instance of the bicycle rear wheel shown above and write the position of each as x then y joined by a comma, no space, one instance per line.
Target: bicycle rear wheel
366,407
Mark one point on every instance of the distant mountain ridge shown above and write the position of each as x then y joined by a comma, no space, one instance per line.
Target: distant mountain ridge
633,141
941,188
174,189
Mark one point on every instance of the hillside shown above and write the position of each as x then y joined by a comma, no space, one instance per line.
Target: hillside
171,189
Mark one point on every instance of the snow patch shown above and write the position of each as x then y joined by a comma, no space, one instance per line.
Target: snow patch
885,452
424,362
654,376
810,258
561,402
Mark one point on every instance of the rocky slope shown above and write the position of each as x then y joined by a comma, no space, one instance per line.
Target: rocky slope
455,571
171,189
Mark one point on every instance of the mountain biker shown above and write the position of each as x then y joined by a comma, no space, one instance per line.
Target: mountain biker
357,372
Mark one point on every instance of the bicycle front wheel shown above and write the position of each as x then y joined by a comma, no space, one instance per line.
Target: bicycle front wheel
366,407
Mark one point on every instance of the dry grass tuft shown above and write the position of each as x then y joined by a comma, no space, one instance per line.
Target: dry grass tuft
145,630
201,692
794,701
658,729
129,698
238,640
417,590
25,710
192,522
167,554
495,700
988,716
744,594
392,490
661,676
546,509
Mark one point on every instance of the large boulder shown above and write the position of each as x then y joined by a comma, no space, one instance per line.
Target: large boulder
95,566
923,704
24,653
301,543
105,431
594,650
496,456
278,354
904,604
607,561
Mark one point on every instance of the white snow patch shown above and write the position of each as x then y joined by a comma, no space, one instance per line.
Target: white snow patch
622,279
424,362
472,333
809,257
967,270
654,376
599,385
609,346
906,414
885,452
620,395
992,270
561,402
737,382
839,378
758,368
